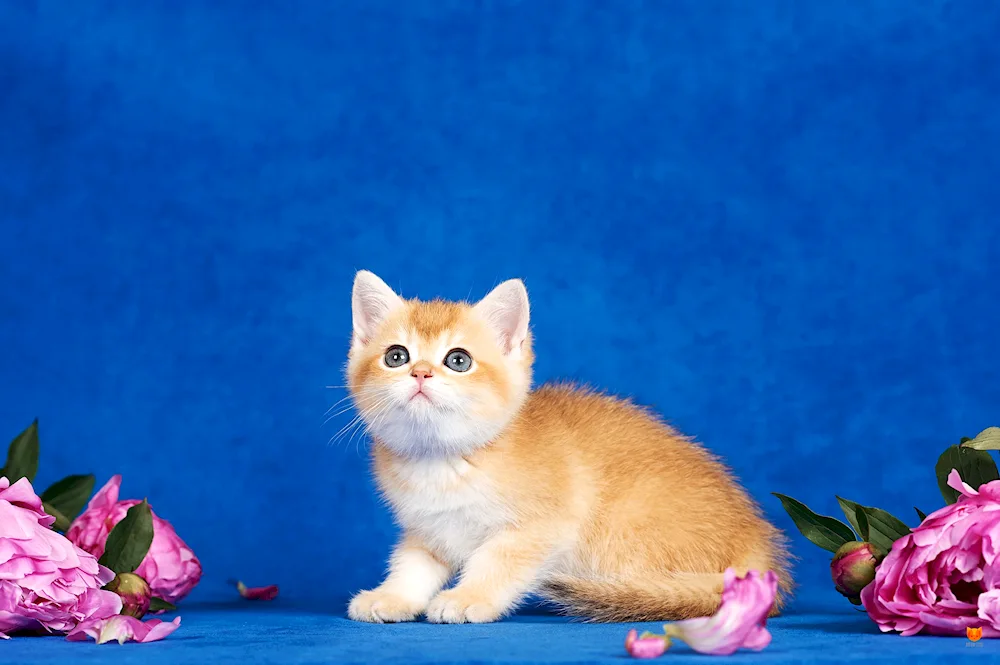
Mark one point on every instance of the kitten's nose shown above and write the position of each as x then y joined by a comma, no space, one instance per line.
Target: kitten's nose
422,370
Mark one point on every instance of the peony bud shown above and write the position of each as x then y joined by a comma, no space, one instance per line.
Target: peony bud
134,593
853,568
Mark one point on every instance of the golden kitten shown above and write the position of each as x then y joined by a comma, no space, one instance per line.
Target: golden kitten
581,498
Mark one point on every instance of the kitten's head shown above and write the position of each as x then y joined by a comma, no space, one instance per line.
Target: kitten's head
438,379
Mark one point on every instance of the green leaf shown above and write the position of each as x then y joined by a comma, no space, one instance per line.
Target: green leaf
129,541
22,456
974,466
822,530
70,494
988,439
874,525
158,604
883,528
62,522
856,516
921,514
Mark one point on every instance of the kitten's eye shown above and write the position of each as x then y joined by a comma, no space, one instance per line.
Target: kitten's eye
458,360
396,356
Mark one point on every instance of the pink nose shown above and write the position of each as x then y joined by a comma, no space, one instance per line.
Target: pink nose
421,372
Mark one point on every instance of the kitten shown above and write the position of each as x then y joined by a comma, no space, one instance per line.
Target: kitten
581,498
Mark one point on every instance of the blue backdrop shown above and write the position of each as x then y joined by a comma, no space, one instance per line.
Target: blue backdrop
773,221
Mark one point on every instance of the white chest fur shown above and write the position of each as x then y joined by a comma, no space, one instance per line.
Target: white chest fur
448,503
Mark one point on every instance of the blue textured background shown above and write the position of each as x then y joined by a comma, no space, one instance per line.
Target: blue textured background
773,221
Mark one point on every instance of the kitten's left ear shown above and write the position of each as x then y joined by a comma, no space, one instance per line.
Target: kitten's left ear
506,311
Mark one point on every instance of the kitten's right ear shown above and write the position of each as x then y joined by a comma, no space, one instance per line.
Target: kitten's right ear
371,302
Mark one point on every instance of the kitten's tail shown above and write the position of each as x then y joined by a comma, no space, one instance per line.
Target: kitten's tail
669,598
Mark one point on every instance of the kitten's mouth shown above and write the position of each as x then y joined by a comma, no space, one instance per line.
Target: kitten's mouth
420,396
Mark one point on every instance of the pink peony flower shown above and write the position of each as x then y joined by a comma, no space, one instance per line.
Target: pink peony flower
944,576
739,621
123,628
46,582
170,567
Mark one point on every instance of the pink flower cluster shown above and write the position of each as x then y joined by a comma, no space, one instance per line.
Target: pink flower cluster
54,583
170,568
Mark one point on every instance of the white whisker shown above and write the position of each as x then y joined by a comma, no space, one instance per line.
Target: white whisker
358,422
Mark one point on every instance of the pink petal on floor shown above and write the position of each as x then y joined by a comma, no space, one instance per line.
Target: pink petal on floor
259,592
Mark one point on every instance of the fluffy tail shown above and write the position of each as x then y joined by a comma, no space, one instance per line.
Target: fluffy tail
672,598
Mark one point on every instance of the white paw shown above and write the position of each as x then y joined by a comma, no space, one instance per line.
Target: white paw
456,606
382,607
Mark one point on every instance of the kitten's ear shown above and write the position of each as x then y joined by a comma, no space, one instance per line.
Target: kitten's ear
371,302
506,309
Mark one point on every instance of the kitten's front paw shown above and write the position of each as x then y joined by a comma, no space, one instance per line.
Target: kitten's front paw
382,607
458,606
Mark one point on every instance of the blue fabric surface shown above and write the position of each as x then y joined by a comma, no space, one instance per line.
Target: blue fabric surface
241,634
772,221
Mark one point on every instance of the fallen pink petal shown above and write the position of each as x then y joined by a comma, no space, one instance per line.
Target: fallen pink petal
646,647
257,593
123,628
739,621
